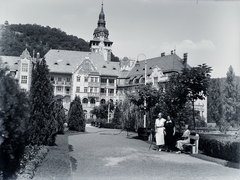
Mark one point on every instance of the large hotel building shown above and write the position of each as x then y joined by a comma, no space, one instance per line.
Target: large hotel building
92,75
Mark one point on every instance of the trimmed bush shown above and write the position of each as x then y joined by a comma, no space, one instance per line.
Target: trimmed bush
76,119
220,147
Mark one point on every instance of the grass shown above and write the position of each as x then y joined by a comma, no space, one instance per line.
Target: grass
56,165
47,162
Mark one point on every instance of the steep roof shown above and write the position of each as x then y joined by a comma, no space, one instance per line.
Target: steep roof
65,61
168,63
11,62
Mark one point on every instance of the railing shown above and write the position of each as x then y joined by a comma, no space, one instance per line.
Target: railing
94,84
92,94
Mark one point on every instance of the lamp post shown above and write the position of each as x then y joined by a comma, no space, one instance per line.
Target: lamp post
145,82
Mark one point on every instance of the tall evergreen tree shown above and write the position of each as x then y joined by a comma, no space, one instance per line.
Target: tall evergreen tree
215,103
231,94
42,123
76,119
13,116
60,116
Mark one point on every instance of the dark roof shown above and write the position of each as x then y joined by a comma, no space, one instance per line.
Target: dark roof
168,63
57,61
11,62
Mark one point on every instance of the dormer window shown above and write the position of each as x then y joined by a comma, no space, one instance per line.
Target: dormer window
114,68
55,63
68,64
104,66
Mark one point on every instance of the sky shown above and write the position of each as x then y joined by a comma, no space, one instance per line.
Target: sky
209,31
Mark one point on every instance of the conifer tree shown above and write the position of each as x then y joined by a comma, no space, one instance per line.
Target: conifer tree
59,116
13,116
42,123
231,94
215,103
76,119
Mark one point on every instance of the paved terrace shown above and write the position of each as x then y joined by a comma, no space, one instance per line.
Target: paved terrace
105,154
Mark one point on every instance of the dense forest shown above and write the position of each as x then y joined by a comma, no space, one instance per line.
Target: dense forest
17,37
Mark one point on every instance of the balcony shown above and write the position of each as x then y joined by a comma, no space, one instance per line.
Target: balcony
93,94
94,84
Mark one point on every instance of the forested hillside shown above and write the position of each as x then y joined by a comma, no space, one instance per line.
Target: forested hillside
16,37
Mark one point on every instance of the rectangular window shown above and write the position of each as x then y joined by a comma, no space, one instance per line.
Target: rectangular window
91,89
103,90
103,80
68,79
111,81
96,79
95,89
86,79
59,88
24,79
85,89
59,79
25,67
52,78
92,79
77,89
78,78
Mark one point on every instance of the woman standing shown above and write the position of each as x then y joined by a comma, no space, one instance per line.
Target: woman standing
159,129
169,134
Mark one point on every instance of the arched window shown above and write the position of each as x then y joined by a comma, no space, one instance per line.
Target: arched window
103,101
85,101
92,101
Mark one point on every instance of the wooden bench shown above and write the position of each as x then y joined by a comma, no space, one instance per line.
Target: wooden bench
193,145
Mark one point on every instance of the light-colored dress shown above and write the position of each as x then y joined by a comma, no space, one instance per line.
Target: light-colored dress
180,143
159,124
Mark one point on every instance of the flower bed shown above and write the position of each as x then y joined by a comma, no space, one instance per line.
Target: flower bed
220,146
33,156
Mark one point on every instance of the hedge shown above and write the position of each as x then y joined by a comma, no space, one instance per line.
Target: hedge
227,148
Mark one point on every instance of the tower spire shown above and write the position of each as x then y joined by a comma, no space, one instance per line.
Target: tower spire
100,42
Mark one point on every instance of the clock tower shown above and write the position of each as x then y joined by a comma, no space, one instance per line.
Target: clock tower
100,42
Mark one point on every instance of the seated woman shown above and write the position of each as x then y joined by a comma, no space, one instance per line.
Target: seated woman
185,139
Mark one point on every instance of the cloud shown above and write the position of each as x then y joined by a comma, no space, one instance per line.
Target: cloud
189,45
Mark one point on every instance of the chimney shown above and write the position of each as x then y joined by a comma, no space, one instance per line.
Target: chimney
185,59
162,54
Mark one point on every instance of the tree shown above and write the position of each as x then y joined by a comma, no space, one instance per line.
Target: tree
76,119
231,98
195,82
215,103
14,113
60,116
118,113
152,98
42,122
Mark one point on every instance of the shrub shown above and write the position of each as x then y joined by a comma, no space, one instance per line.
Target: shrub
13,116
220,147
59,116
76,119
